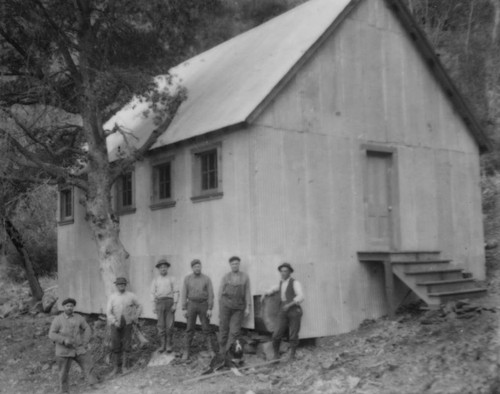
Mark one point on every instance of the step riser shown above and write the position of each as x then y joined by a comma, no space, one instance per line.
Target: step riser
448,298
424,256
449,287
421,266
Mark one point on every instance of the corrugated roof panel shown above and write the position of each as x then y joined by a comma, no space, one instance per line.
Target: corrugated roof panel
226,83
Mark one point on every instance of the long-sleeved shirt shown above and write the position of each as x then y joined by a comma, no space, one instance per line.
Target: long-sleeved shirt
197,288
123,304
72,328
237,278
297,288
164,286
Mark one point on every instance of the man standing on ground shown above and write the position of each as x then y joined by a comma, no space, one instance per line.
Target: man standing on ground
71,333
290,314
197,300
234,303
165,295
122,311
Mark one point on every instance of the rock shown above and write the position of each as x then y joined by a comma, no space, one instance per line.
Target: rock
37,308
266,349
54,310
8,309
284,346
353,381
250,392
159,359
328,365
262,377
49,299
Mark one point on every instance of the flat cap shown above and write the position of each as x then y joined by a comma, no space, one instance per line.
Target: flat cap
234,258
194,262
121,281
285,265
69,301
161,262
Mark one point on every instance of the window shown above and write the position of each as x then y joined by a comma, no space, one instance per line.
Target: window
207,174
162,183
66,206
125,201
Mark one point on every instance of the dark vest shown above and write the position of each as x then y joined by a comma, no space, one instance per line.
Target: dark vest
289,292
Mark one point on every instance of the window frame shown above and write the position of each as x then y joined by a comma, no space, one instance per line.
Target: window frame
198,192
120,208
63,202
156,201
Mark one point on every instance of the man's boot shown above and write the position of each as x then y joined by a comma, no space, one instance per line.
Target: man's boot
115,359
161,349
276,350
187,350
293,351
210,347
169,343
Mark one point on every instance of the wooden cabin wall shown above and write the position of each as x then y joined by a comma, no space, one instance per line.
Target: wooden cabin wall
367,84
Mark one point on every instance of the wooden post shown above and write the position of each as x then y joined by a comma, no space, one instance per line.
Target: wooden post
389,287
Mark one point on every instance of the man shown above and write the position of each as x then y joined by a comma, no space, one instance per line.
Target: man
71,333
290,313
197,300
122,311
234,303
165,295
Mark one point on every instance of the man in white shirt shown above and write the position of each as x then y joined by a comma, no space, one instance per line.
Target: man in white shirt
165,295
122,311
290,312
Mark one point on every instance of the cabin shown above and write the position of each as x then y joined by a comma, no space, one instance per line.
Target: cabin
330,137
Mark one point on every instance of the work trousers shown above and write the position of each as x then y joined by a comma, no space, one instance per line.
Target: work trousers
64,365
165,316
121,339
290,320
195,309
229,326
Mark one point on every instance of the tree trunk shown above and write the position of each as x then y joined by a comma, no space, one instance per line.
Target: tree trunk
17,241
105,226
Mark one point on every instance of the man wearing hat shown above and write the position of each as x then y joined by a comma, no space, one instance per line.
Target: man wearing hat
71,334
290,312
165,295
235,302
197,300
122,311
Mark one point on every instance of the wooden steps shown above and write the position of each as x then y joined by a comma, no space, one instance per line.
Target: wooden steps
433,279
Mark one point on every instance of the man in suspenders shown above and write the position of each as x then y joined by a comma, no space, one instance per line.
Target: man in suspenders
290,314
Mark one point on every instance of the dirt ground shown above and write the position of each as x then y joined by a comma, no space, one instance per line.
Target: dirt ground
419,352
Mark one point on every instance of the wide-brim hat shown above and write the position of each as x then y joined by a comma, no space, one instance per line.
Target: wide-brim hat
161,262
121,281
194,262
285,265
69,301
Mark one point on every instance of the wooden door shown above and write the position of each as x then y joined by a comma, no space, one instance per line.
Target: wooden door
378,198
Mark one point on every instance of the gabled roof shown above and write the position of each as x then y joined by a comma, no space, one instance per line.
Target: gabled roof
229,84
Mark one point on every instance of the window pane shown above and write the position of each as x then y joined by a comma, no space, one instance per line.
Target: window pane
208,161
164,181
127,190
66,204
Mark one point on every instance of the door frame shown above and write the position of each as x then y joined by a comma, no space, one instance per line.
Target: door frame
394,223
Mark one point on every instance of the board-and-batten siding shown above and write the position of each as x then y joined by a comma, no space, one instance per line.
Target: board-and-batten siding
293,185
373,87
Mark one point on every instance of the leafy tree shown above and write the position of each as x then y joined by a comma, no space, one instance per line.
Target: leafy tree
86,57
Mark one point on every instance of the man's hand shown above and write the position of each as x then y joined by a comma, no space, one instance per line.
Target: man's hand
185,313
287,306
209,314
174,307
247,311
263,298
68,342
155,308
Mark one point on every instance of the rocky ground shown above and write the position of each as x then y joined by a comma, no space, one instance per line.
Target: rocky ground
454,350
